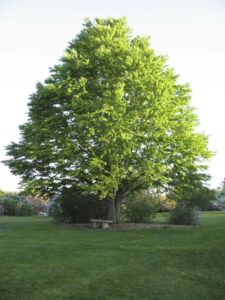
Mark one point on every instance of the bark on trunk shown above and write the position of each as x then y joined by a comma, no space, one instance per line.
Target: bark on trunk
117,208
112,211
114,208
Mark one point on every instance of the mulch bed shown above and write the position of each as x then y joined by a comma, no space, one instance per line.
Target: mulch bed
126,226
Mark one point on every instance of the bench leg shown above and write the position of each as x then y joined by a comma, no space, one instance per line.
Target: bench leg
94,225
105,225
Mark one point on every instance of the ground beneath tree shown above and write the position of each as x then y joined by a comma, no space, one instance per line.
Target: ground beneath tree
126,226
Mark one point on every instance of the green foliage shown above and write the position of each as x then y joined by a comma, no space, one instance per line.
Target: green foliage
9,205
193,191
202,197
24,209
2,193
15,205
184,215
55,211
141,207
76,206
220,196
111,117
190,196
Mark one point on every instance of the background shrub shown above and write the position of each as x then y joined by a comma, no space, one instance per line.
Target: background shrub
183,214
15,205
10,205
55,210
76,206
24,209
141,207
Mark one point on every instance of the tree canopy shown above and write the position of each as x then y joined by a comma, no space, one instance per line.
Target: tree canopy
111,117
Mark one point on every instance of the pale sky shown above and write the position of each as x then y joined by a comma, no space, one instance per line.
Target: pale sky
34,34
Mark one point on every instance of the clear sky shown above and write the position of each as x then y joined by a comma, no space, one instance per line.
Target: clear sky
34,34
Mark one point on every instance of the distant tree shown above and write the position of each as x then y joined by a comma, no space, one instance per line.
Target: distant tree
190,195
13,204
202,197
193,192
221,196
111,118
1,193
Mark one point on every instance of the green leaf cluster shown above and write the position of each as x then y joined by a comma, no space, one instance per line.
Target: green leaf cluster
111,116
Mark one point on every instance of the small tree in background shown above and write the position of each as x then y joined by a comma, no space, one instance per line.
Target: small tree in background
141,206
192,190
220,197
2,193
15,205
190,196
183,214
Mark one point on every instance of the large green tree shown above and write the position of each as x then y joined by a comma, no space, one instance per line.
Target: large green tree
111,118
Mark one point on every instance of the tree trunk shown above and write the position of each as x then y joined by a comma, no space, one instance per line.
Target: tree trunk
117,204
114,208
112,211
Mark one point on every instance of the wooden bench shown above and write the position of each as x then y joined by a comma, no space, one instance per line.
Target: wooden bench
100,223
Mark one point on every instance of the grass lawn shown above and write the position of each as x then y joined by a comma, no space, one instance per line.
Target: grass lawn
42,260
